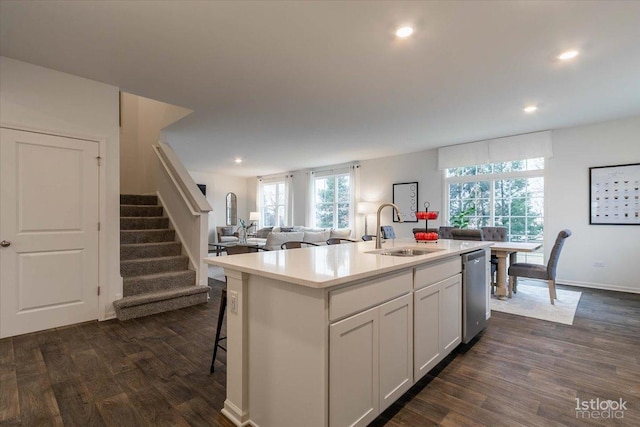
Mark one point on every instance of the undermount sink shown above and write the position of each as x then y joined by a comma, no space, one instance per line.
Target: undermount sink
405,252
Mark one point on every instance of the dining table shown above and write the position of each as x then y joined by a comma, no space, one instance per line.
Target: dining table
503,249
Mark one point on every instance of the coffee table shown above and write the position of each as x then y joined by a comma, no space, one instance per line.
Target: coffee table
222,247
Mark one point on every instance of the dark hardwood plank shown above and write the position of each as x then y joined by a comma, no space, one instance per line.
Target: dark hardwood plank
155,371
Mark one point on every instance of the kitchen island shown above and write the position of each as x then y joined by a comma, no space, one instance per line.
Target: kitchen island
332,335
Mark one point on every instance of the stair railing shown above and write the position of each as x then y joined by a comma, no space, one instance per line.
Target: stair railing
186,207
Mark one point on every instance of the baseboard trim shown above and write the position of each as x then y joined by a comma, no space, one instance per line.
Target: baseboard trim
602,286
235,415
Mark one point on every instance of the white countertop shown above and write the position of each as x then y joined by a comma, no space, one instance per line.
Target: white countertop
326,266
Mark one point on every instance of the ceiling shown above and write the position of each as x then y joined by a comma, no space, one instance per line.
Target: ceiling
292,85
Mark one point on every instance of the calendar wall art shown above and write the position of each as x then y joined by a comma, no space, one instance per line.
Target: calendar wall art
614,196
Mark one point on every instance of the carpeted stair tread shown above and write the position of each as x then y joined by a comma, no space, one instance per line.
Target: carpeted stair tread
157,302
155,282
142,266
144,223
149,250
135,199
155,274
140,210
147,236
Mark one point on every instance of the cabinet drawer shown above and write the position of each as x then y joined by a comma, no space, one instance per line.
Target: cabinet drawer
353,299
437,271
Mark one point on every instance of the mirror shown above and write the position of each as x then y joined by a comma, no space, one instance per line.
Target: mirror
232,209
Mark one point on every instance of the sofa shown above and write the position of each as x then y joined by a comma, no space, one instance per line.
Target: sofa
273,237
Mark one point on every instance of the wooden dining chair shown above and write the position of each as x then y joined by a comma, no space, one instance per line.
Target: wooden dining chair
294,244
538,271
338,240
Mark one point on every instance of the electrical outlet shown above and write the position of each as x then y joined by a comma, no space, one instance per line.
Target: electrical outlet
233,302
598,264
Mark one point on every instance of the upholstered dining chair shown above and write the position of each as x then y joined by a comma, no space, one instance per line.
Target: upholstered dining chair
295,244
540,272
494,234
387,232
466,234
338,240
444,232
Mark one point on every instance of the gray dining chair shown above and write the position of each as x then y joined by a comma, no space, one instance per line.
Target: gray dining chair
494,234
466,234
444,232
540,272
338,240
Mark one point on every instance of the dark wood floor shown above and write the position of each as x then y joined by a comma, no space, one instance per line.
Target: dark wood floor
155,371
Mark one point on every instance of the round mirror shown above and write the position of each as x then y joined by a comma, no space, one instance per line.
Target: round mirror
232,209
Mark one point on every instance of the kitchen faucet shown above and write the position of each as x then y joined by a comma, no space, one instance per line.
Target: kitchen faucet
378,234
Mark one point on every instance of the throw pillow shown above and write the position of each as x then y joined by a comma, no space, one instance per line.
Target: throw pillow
286,229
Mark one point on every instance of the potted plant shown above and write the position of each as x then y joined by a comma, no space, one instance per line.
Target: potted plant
461,220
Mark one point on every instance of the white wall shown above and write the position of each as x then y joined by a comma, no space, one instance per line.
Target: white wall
217,188
567,195
376,185
142,122
42,99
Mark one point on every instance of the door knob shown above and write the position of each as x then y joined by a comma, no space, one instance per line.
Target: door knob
5,244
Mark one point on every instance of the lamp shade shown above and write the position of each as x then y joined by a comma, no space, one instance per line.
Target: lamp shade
366,208
254,216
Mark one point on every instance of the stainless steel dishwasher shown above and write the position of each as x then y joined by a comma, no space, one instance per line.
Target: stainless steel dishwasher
474,294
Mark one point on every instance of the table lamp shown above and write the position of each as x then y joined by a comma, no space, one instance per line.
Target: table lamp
366,208
254,217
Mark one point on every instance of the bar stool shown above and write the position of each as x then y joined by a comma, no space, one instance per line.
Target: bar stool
223,306
231,250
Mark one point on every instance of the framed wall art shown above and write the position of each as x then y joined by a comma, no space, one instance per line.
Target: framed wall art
614,195
405,196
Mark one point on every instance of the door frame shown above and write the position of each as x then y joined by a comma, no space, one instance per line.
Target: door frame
103,298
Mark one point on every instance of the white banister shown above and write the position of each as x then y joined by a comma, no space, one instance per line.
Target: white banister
185,206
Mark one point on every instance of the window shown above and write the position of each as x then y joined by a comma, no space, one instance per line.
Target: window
273,204
507,194
332,200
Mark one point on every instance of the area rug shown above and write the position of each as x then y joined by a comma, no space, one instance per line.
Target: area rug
533,301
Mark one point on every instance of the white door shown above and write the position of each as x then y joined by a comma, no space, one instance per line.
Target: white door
353,370
48,230
396,349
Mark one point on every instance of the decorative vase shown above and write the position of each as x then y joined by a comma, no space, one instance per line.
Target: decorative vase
242,235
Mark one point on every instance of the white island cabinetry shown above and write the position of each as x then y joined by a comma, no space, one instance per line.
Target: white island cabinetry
331,336
437,311
371,352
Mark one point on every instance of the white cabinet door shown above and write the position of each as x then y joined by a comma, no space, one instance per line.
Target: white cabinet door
427,342
451,313
396,349
353,372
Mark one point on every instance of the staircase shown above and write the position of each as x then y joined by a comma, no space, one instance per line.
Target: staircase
156,276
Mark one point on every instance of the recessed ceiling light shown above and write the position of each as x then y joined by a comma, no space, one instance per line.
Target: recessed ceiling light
570,54
530,109
238,160
404,32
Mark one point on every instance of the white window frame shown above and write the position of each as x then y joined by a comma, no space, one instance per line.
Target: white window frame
335,203
277,183
492,178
